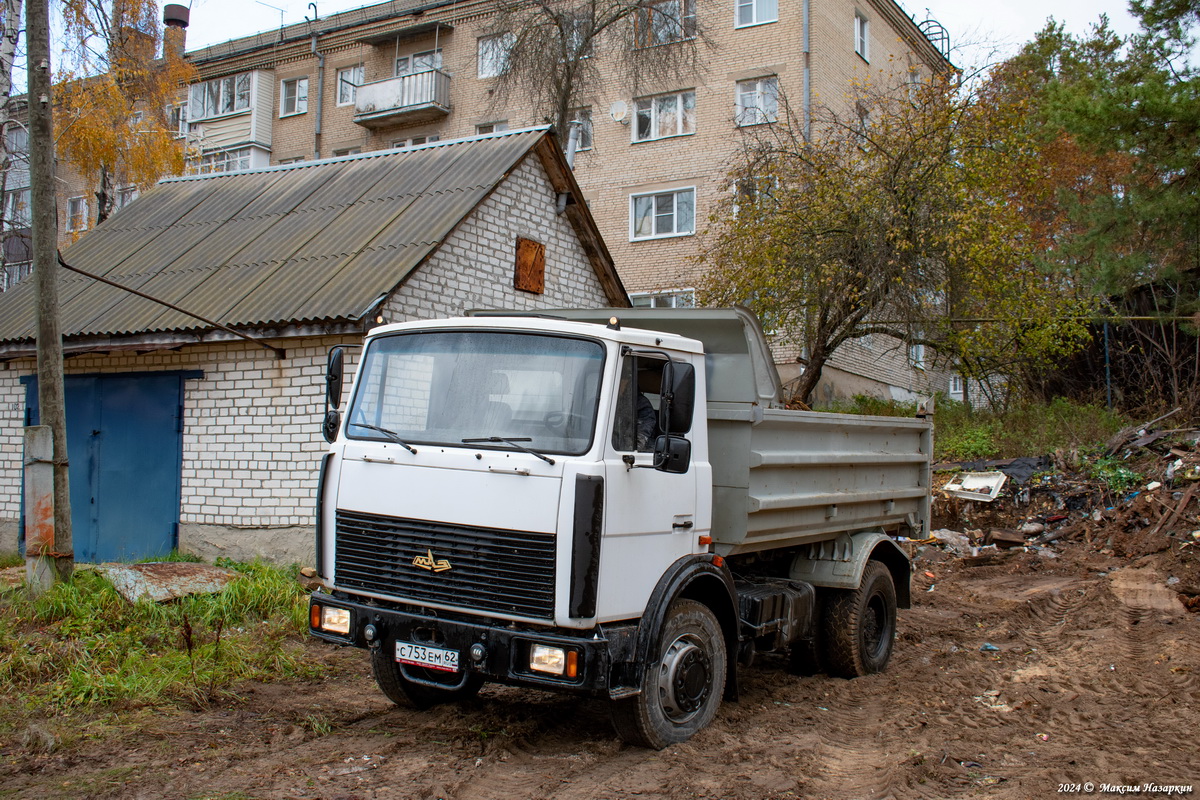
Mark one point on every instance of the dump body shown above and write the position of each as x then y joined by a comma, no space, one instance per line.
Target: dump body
783,477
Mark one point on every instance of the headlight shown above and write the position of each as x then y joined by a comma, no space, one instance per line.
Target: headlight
554,660
334,620
548,659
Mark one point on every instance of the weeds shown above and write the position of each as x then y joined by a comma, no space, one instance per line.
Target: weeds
1032,429
81,645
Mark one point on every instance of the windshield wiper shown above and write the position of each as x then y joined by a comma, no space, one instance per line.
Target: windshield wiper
513,442
395,437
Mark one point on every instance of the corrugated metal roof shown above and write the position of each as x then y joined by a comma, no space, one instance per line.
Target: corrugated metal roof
298,244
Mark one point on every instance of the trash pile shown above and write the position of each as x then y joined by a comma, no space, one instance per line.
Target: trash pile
1139,499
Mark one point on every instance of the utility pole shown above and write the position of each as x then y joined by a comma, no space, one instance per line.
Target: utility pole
48,558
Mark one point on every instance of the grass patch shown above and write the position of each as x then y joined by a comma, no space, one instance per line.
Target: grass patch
1031,429
81,646
11,560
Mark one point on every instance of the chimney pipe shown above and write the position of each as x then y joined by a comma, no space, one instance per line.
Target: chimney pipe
175,17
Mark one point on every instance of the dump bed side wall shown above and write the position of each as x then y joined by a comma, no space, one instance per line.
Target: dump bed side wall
802,476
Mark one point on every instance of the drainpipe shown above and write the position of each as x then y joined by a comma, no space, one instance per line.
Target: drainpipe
572,144
807,70
320,97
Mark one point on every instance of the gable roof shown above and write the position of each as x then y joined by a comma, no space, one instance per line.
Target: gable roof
301,244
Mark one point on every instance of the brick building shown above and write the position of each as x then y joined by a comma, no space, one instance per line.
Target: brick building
182,434
652,159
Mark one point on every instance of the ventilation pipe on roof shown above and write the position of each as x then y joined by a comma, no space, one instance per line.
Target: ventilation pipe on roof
176,18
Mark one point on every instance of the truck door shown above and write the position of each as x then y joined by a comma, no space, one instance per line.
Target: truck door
649,515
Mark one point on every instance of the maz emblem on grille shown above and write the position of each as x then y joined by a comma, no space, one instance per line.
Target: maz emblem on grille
427,562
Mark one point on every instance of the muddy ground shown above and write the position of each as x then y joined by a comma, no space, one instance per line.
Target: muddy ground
1095,680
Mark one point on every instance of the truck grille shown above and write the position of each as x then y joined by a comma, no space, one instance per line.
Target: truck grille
490,569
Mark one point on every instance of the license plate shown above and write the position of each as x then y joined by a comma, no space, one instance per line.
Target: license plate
422,656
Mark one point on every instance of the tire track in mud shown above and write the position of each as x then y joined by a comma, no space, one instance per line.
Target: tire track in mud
856,756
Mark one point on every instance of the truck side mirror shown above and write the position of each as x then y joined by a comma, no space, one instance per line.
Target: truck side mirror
678,397
672,454
334,371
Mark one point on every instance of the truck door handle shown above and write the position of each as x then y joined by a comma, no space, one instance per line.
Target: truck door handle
684,525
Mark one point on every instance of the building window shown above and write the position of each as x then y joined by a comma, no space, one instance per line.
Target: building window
347,151
583,116
414,141
218,97
17,140
757,101
956,387
288,161
221,161
916,356
653,216
126,195
177,119
671,298
492,127
862,36
493,54
348,81
756,12
293,97
77,214
16,209
664,22
418,62
664,115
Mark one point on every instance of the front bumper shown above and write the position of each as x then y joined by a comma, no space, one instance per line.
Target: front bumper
605,653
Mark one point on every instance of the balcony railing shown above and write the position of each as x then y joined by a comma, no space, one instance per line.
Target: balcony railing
421,97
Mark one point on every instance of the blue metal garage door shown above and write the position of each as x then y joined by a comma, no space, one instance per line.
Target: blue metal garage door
125,446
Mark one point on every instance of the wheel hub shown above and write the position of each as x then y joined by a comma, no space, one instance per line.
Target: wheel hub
685,679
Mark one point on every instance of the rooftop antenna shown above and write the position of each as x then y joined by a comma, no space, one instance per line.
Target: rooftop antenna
280,10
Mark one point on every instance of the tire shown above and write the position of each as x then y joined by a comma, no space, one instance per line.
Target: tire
683,684
859,625
401,691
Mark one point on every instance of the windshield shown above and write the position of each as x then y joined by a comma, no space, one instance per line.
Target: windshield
443,387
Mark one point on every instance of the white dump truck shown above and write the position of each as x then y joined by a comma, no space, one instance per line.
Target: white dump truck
610,502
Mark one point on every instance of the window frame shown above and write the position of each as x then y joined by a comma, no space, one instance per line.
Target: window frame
761,115
862,36
77,220
652,113
674,193
756,9
340,83
586,138
226,94
18,213
687,294
646,32
411,58
499,126
499,47
299,99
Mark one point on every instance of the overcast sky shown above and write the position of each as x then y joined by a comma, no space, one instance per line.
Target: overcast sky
978,30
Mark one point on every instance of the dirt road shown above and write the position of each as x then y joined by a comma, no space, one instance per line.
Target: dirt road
1095,680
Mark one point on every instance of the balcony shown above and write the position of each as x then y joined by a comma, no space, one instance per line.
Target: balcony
421,97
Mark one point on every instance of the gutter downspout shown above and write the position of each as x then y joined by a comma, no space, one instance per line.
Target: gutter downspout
807,70
572,144
320,97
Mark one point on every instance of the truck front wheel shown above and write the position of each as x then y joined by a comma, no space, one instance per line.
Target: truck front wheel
859,625
401,691
682,685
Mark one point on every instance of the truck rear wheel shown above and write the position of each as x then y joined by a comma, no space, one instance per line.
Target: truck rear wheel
682,685
402,691
859,625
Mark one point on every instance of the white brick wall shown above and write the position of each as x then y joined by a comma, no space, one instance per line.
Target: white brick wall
474,267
